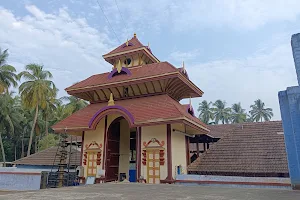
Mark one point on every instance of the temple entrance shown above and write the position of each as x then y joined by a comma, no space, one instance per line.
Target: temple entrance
113,152
120,152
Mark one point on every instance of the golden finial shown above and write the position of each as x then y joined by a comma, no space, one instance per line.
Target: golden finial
134,35
127,43
119,66
111,101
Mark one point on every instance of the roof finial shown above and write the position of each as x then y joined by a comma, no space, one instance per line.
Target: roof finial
190,103
119,66
148,45
134,35
111,101
127,42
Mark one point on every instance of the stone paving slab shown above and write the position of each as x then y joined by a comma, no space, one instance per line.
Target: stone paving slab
113,191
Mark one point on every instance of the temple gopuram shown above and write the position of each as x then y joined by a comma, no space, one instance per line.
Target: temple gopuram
134,126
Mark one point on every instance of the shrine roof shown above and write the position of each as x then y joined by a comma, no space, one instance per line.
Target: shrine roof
161,69
151,110
133,43
245,149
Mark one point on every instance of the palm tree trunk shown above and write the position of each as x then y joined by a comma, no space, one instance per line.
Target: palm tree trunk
2,150
32,129
35,144
15,152
22,151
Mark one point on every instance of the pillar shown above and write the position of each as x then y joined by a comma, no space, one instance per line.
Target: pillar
169,178
138,152
289,101
289,105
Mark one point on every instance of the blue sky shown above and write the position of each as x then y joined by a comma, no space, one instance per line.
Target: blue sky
234,50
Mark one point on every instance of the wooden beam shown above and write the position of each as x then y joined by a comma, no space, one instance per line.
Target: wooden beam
153,86
132,90
90,96
161,87
118,92
146,88
139,89
97,95
104,94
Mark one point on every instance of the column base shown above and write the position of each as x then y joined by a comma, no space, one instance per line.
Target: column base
168,181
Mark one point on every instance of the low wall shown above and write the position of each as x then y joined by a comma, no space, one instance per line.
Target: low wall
12,178
234,181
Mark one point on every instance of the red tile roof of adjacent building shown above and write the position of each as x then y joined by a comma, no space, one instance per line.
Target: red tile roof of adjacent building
134,43
143,71
145,110
249,149
49,157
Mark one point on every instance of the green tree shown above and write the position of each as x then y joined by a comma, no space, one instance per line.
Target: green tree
259,112
221,113
206,112
238,114
35,91
48,141
7,73
74,103
10,118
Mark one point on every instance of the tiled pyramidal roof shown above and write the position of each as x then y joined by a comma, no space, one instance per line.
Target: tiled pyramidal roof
250,149
48,157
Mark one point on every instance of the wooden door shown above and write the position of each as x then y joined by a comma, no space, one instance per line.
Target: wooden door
113,152
153,166
92,163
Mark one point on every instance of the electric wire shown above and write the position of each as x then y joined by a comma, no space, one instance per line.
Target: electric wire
125,24
108,21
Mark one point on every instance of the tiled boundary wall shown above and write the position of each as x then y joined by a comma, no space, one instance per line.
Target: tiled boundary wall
234,181
12,178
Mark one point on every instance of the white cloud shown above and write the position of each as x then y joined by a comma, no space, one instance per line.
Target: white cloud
67,46
245,80
198,14
184,56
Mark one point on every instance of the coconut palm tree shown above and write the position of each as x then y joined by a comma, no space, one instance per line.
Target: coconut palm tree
74,103
259,112
10,118
7,73
221,113
206,112
238,114
35,92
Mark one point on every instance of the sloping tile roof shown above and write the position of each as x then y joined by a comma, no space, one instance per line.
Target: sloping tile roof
219,130
134,43
250,148
47,157
141,71
144,110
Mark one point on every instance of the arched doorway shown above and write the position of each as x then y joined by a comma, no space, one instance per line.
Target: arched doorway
113,151
120,143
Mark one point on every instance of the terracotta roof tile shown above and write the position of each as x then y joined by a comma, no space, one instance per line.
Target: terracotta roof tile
134,43
142,71
143,110
47,157
251,148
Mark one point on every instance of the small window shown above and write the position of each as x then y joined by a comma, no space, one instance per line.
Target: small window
125,91
127,61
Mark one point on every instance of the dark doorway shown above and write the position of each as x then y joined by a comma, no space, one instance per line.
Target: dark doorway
113,152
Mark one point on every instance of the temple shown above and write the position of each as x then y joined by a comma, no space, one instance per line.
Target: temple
134,126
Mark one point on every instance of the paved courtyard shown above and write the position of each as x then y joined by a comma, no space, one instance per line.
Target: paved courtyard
150,192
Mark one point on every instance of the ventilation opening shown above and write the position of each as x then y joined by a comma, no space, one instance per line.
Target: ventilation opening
127,61
116,74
